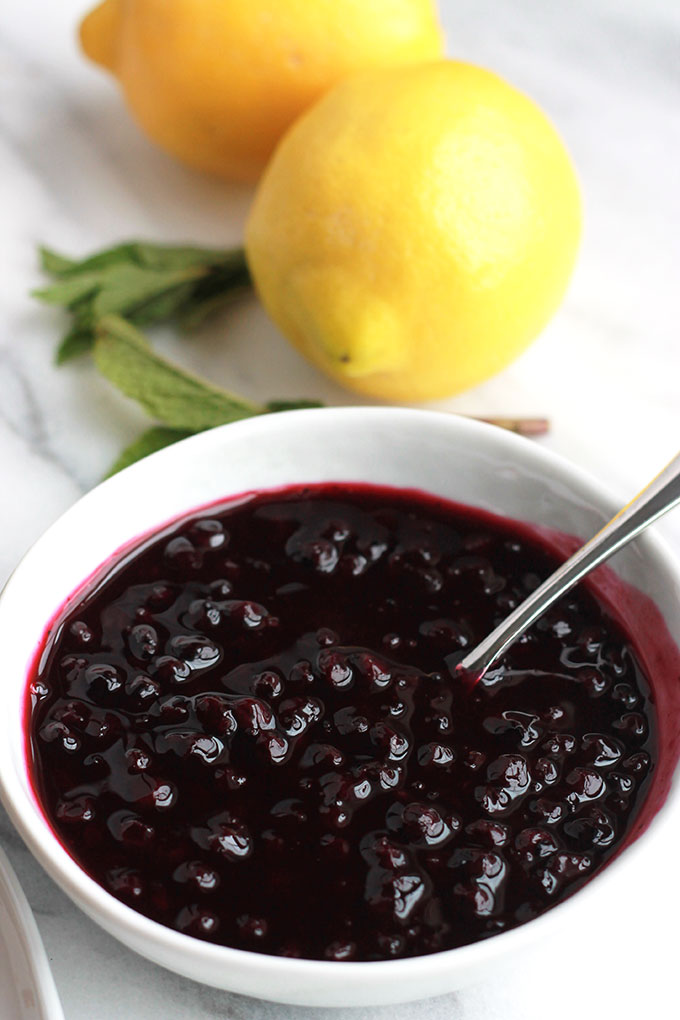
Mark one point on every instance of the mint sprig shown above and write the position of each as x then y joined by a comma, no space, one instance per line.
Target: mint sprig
144,283
111,293
154,439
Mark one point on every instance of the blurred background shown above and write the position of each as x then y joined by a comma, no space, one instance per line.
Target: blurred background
77,175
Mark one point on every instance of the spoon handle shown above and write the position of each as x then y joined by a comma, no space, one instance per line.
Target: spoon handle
661,495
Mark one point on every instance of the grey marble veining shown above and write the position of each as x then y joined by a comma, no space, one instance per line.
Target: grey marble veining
75,173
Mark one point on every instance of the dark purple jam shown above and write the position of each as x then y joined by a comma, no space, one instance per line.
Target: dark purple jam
248,728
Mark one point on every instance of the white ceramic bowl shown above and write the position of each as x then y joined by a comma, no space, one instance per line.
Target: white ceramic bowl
27,990
451,457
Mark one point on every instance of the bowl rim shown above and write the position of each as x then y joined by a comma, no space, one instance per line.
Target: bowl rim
197,955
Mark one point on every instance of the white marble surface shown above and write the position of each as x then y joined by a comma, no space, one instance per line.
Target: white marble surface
76,174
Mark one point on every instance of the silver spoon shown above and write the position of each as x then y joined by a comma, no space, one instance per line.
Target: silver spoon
660,496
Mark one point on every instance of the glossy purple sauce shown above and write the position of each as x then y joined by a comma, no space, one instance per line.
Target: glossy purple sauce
247,728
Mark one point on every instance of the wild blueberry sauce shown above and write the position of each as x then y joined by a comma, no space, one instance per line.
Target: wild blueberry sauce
249,729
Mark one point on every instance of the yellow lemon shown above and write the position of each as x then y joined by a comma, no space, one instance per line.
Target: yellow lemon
217,82
415,229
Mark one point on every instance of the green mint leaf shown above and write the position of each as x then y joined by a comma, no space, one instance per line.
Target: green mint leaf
53,263
69,291
145,256
292,405
194,312
167,392
164,306
77,341
61,265
126,253
154,439
124,288
145,283
164,256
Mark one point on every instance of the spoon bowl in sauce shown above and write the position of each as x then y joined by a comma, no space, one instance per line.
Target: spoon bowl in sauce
656,499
